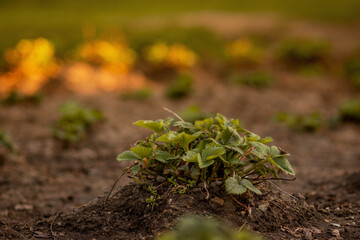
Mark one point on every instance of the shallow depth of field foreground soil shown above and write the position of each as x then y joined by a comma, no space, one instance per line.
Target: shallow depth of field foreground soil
48,191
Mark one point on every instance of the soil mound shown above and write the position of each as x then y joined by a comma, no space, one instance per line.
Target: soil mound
126,215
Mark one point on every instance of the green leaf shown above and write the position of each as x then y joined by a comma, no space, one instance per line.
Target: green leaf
208,154
182,124
260,149
235,149
203,163
284,164
183,138
191,156
233,186
230,136
252,137
163,156
211,152
250,186
135,169
221,120
156,126
142,152
194,172
276,152
204,124
128,156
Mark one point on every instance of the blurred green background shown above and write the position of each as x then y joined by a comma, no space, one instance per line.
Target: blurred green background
62,21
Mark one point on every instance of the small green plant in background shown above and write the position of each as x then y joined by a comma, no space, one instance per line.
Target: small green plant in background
303,52
182,86
154,197
207,151
352,69
6,141
75,121
193,113
141,94
201,228
252,79
350,110
17,98
306,123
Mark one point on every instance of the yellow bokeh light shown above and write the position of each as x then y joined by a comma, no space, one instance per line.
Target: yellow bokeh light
244,51
113,56
176,55
86,79
32,63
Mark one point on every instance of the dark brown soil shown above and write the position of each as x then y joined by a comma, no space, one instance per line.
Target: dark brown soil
126,215
44,187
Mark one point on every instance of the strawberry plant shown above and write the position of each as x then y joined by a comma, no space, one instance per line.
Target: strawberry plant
140,94
200,228
213,149
352,69
303,52
74,122
5,141
307,123
193,113
16,98
252,79
181,86
350,110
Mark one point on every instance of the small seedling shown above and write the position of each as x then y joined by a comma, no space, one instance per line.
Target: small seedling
193,113
350,110
307,123
141,94
154,197
181,86
6,142
75,121
301,52
252,79
200,228
213,149
17,98
352,69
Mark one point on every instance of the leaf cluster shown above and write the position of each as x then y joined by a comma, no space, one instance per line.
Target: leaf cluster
252,79
350,110
302,51
200,228
213,149
75,121
140,94
352,69
305,123
193,113
16,97
182,86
